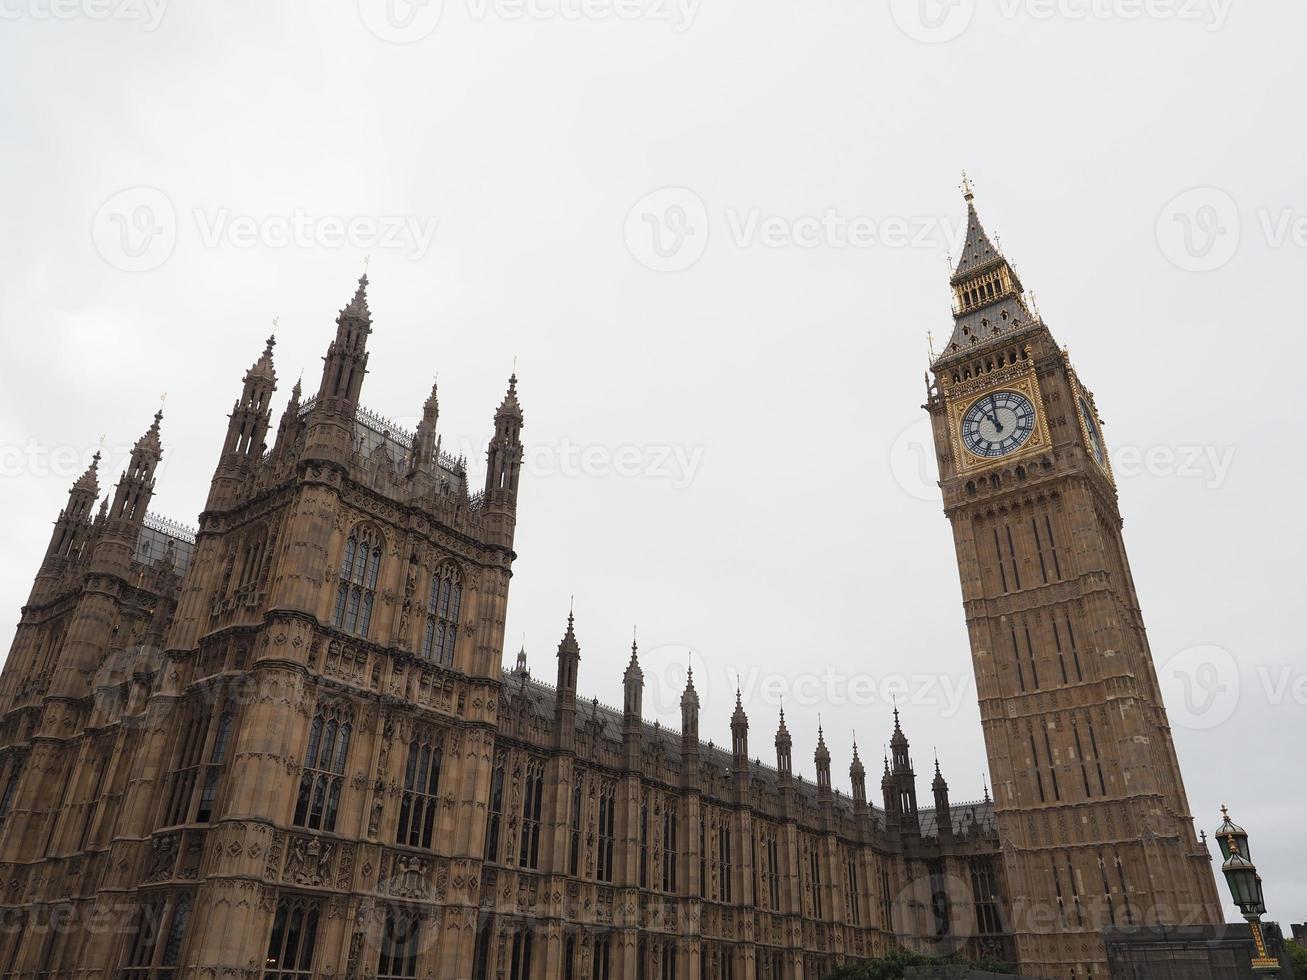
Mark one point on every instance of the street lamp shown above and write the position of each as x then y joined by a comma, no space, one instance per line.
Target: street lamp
1246,888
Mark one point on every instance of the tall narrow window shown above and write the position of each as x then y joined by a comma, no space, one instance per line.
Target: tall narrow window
324,772
213,771
481,960
604,855
1034,766
814,862
443,607
724,861
644,842
669,846
669,960
854,893
774,874
1052,546
599,962
358,581
983,893
532,801
294,938
12,776
519,966
703,854
399,945
496,820
1080,757
154,949
1012,558
418,805
998,551
1098,762
574,844
186,769
1052,773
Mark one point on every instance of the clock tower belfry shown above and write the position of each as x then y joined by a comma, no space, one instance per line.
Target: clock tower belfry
1092,814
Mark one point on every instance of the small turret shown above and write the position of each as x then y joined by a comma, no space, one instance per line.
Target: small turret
569,657
943,815
74,521
247,430
632,711
288,429
330,437
739,735
904,779
822,759
784,762
422,457
858,780
633,688
135,487
504,454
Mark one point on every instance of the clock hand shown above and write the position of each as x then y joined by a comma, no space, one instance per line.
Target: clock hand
992,415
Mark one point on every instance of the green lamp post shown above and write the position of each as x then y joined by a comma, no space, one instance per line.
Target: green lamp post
1246,888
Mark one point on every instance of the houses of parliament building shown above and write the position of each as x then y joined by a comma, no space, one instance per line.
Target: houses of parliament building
286,747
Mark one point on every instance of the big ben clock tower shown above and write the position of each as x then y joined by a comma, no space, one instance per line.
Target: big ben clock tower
1092,813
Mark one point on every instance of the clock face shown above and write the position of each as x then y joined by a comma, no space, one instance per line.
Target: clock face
998,423
1095,437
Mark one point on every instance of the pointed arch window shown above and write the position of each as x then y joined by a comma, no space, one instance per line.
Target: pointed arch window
443,608
400,942
321,784
417,808
154,950
294,938
358,580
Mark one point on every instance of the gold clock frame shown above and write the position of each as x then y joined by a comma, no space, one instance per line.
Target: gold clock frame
962,396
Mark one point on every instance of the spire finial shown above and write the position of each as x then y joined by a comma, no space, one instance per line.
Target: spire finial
968,189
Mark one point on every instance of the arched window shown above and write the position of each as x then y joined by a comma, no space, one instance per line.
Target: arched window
417,808
294,939
324,768
442,616
358,580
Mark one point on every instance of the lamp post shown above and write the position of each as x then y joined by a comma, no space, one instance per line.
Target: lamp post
1246,888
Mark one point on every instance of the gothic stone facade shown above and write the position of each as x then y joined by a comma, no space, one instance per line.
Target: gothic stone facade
1091,808
284,747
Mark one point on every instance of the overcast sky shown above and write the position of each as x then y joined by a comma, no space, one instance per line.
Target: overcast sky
714,237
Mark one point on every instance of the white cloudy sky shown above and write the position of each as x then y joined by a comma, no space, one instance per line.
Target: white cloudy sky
753,486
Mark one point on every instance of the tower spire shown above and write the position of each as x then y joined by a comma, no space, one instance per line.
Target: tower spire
135,487
247,430
987,293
